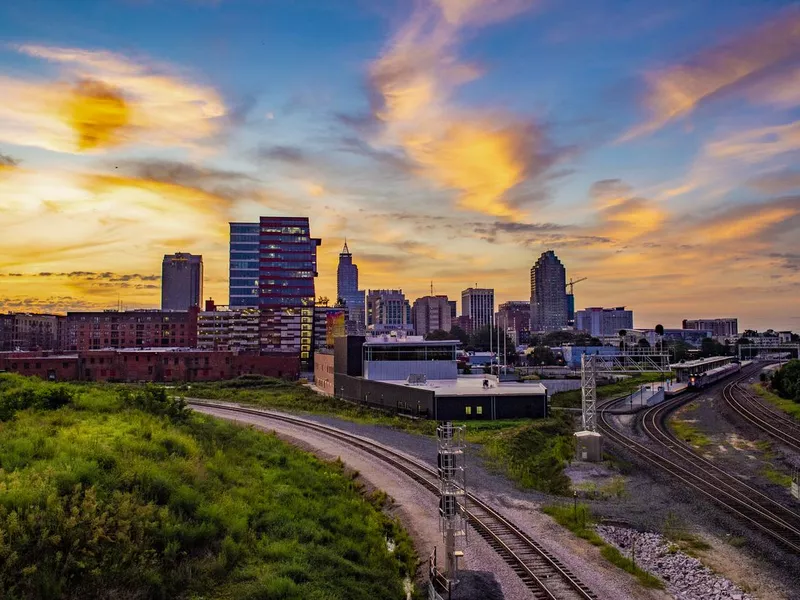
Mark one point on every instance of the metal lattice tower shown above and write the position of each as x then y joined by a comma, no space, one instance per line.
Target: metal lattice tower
453,493
632,361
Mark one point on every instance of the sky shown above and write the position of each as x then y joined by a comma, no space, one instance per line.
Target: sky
653,146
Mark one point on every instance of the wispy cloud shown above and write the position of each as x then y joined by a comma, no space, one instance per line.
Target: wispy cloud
740,65
105,100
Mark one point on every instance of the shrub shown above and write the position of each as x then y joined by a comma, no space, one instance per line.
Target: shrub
155,400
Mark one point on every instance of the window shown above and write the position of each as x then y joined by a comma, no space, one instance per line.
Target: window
468,410
479,410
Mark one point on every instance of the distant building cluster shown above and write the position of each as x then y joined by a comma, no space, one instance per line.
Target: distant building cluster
273,311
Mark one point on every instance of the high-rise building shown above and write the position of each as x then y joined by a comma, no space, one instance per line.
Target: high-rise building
548,294
478,305
243,266
287,268
387,310
600,322
347,288
725,327
515,317
453,308
431,313
181,281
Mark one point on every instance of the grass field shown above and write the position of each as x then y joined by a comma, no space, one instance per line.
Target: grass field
532,453
619,389
790,407
127,495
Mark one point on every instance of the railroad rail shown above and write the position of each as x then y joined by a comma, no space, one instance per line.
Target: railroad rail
540,570
760,413
701,475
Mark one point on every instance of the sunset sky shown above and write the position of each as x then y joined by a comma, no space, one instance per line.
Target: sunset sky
653,145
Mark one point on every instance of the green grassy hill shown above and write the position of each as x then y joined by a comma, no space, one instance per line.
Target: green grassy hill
109,494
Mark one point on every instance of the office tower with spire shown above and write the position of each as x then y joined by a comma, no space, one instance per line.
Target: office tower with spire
548,294
347,289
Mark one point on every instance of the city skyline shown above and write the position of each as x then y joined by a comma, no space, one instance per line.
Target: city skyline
658,172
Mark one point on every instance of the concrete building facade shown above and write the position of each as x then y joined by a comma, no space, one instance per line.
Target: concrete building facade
387,311
431,313
600,322
548,294
181,281
226,328
478,305
31,331
725,327
515,317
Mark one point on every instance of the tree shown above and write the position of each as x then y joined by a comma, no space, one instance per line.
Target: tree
622,334
786,381
678,350
643,343
322,301
458,333
440,334
341,302
542,355
659,329
558,338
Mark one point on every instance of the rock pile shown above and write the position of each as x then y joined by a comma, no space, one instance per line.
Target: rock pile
686,577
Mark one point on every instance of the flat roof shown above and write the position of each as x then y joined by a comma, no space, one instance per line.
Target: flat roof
701,361
472,386
412,340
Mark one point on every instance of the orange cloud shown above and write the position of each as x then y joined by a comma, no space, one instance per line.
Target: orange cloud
676,91
105,100
480,155
96,112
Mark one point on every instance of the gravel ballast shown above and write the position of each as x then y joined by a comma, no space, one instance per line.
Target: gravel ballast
686,577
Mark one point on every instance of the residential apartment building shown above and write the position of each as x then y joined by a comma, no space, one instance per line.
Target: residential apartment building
243,265
599,322
30,331
226,328
431,313
387,310
287,269
515,317
478,305
725,327
181,281
549,309
347,289
130,329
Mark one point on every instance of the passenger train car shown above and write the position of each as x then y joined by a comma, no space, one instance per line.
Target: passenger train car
708,378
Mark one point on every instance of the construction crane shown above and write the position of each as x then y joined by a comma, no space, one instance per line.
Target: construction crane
572,282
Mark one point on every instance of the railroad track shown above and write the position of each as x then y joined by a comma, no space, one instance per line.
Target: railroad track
541,571
701,475
757,411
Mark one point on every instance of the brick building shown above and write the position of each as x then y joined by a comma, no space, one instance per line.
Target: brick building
130,329
152,364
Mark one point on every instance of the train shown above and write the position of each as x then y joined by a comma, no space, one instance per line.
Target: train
703,380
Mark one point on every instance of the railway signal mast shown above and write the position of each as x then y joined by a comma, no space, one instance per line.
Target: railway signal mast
626,362
452,508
